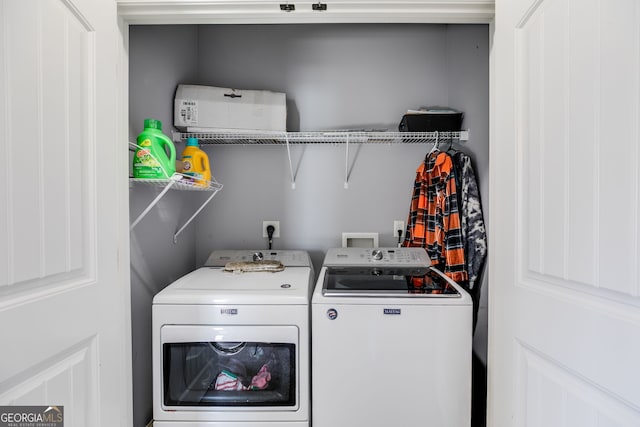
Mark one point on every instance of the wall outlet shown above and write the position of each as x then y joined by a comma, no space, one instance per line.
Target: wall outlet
276,225
398,226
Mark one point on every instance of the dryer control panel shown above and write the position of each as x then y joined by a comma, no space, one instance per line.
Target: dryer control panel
289,258
400,257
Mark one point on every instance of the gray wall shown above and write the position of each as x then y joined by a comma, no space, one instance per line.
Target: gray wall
468,70
335,76
158,60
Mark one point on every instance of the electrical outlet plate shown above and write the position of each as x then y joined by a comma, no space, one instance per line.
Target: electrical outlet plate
276,225
398,225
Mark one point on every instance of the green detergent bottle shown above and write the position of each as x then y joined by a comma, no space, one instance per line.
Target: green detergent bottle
151,160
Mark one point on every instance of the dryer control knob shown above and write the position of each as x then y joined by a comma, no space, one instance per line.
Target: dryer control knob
377,254
258,256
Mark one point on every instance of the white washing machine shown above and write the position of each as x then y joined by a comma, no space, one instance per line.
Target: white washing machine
391,340
232,348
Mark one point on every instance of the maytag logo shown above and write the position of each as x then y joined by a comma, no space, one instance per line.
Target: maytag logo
393,311
229,311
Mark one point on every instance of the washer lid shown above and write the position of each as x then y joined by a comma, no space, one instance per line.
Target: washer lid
387,282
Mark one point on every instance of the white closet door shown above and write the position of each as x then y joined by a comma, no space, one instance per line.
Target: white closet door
64,300
564,332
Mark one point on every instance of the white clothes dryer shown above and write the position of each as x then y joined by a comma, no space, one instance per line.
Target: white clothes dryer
391,340
233,347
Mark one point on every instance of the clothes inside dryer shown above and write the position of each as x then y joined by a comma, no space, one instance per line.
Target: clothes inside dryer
229,374
386,282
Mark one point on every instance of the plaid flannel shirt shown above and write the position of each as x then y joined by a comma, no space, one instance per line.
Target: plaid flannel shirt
434,221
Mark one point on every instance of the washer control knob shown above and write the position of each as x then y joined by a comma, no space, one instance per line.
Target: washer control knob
258,256
377,254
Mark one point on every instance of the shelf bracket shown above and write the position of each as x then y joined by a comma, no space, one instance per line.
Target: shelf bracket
293,177
346,163
176,181
172,181
175,236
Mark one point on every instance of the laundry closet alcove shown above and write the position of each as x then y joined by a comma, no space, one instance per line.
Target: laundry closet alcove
336,76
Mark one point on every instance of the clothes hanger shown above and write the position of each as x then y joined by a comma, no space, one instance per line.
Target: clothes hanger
451,150
435,147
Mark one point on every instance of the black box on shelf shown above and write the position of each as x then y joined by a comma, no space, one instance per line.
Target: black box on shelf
431,120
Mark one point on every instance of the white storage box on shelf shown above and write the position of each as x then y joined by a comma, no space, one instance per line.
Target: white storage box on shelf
208,108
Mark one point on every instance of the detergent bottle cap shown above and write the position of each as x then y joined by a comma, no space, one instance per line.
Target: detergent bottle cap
152,124
192,142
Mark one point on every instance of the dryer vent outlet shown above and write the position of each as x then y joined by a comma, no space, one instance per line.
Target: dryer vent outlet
276,226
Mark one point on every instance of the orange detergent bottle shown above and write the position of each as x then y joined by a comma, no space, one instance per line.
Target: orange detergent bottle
195,163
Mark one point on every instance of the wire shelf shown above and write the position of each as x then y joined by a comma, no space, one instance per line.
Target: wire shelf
326,137
180,182
345,137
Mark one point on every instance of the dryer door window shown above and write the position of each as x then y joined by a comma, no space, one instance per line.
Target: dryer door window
229,373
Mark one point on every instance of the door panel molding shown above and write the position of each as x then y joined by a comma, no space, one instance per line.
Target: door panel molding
576,198
565,202
554,392
50,223
48,378
600,300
